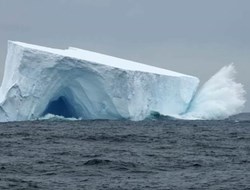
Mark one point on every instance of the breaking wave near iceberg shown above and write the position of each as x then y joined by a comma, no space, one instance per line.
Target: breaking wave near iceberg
220,97
53,117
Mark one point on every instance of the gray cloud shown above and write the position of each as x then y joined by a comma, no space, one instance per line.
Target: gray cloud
194,37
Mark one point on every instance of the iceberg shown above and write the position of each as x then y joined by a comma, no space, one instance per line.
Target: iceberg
41,82
76,83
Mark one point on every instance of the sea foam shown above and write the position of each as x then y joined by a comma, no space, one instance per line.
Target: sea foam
220,97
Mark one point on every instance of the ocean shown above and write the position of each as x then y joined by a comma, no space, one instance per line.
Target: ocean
152,154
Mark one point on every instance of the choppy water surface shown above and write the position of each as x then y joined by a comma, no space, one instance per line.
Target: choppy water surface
158,154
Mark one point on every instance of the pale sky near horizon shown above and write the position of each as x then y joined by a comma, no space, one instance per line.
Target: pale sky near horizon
195,37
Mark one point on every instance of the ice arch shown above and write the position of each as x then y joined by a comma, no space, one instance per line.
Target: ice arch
62,103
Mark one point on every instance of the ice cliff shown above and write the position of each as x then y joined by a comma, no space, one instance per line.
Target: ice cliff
83,84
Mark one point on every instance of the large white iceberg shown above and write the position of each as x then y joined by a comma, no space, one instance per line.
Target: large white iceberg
74,83
83,84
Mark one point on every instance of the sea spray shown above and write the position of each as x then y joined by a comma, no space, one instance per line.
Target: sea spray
220,97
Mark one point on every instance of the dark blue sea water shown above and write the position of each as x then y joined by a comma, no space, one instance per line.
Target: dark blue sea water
152,154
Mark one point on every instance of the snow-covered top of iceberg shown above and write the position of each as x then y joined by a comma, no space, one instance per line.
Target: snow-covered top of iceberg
99,58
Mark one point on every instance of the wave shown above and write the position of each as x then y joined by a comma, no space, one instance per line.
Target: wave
220,97
57,117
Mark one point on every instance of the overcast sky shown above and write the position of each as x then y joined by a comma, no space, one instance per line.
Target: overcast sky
195,37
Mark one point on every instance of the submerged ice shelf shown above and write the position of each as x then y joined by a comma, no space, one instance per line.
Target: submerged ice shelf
76,83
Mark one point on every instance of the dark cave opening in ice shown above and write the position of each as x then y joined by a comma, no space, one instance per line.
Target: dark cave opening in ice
61,107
